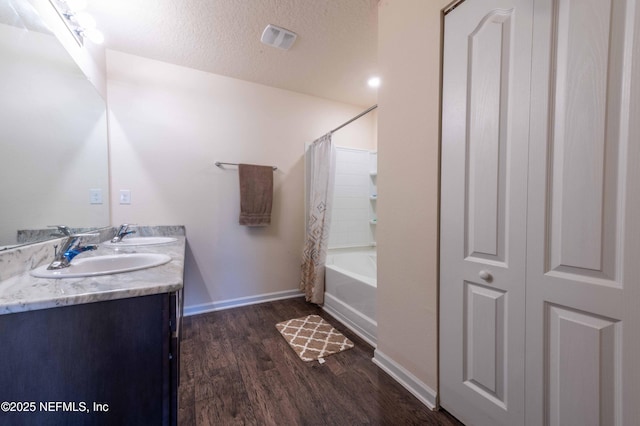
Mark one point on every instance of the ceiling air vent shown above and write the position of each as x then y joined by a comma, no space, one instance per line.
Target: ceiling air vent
278,37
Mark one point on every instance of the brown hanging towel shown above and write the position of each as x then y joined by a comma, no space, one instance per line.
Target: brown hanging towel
256,194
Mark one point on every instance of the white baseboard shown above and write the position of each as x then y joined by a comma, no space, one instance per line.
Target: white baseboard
241,301
419,389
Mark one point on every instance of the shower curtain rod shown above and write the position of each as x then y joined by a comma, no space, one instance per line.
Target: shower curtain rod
355,118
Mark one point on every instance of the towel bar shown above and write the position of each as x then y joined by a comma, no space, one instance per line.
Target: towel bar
220,164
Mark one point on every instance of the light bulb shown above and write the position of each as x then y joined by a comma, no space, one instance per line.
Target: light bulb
374,82
94,35
77,5
84,20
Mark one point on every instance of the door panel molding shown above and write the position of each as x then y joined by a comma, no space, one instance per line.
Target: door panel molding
582,367
489,64
484,345
584,137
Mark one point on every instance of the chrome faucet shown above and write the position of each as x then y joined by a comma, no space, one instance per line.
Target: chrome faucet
70,248
122,232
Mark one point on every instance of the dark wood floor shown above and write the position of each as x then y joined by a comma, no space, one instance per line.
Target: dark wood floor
237,369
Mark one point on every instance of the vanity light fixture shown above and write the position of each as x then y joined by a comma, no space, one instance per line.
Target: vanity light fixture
80,24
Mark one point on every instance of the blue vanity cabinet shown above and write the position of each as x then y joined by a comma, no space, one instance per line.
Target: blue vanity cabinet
102,363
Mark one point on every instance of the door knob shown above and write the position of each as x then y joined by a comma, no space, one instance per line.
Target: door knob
486,275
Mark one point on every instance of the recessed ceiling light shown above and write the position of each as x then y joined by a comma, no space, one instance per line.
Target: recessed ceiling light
374,82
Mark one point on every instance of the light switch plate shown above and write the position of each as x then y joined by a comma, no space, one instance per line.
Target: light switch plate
125,196
95,196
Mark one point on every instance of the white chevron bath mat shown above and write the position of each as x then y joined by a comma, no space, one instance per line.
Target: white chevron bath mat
311,337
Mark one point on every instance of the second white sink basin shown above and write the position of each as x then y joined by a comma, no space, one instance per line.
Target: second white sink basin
141,241
103,265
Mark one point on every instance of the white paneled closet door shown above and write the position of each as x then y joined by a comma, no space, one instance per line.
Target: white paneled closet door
583,254
541,194
486,88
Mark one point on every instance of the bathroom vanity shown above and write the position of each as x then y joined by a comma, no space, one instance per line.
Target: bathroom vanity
93,350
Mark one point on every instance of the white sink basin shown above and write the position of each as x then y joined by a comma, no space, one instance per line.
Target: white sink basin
103,265
141,241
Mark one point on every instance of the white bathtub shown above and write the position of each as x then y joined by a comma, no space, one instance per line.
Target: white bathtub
350,290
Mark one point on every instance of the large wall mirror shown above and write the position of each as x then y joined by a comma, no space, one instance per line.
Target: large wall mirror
53,133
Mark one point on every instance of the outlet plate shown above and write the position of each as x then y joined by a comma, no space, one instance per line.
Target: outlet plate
125,196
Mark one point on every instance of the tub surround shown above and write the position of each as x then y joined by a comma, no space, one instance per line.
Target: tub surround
20,292
354,199
350,290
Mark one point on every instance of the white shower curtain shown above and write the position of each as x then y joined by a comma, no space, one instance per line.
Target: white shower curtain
320,199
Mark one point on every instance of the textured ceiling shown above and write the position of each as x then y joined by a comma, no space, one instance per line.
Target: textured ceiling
333,56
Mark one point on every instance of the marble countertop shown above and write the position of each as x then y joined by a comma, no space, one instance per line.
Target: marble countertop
23,292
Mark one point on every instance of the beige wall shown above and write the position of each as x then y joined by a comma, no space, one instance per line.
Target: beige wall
169,125
408,148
